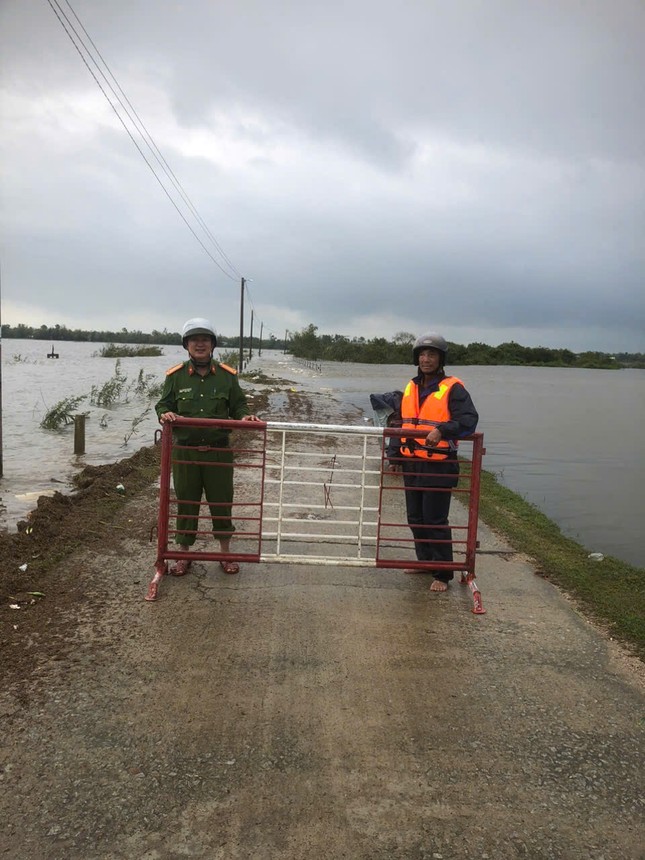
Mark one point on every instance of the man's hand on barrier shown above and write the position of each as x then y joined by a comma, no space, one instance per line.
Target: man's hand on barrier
172,416
167,416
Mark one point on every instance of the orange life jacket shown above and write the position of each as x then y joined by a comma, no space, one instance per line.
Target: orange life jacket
434,410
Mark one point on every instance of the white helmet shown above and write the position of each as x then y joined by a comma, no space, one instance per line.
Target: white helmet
197,325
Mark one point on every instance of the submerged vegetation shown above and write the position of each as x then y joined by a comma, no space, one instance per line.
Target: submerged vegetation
147,385
62,413
232,358
110,392
117,389
134,425
114,392
111,350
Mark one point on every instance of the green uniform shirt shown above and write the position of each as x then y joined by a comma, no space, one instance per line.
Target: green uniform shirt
216,395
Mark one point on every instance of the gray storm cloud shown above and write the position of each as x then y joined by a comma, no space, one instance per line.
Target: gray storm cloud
364,163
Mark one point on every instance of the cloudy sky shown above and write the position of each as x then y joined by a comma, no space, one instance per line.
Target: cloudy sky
475,167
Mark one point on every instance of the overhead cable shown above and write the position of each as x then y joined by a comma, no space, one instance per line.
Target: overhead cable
156,151
86,54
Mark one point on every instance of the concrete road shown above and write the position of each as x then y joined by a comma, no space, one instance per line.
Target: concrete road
322,712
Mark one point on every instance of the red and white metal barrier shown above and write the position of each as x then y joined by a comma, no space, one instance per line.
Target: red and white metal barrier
316,494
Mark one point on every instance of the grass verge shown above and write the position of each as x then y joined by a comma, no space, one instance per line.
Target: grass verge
611,591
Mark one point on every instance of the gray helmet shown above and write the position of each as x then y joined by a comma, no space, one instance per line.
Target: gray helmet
197,325
431,340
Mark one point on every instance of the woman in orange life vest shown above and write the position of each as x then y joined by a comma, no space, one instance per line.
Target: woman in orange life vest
440,407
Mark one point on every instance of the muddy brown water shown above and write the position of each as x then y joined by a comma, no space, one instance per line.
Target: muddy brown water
544,435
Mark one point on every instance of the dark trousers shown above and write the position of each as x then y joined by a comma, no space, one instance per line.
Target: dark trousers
427,501
208,472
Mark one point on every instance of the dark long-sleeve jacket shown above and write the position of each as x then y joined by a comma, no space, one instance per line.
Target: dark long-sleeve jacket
216,395
463,415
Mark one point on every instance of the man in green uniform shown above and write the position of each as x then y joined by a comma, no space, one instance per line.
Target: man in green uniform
202,388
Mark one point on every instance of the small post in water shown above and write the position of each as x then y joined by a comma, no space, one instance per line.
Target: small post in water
79,434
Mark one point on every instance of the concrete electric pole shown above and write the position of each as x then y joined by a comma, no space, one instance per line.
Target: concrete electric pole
241,358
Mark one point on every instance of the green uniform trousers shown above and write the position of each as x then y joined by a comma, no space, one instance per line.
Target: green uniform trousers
214,479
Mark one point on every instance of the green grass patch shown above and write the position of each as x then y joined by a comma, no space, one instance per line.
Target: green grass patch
611,591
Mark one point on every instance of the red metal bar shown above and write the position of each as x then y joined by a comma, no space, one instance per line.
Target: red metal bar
473,520
164,554
162,517
463,537
472,478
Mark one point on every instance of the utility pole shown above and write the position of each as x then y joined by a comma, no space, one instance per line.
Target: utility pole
286,332
251,338
1,467
241,359
260,344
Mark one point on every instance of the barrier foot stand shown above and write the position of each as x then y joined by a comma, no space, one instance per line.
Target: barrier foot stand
478,606
160,570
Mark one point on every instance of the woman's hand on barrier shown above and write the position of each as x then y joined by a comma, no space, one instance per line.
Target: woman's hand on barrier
251,418
433,438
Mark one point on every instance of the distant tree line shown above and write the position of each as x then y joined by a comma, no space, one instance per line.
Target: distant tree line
173,338
309,345
61,332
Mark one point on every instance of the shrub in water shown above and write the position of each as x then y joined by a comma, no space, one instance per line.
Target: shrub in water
111,350
110,392
62,413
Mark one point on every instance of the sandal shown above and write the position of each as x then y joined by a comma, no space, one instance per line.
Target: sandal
229,566
181,567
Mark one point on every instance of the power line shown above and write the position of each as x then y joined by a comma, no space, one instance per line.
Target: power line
156,151
250,299
248,293
145,135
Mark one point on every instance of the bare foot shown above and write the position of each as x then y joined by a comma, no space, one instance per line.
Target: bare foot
438,585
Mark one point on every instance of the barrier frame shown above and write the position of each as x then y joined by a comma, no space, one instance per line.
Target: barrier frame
264,459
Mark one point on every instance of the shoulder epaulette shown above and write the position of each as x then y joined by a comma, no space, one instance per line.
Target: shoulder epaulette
174,369
230,369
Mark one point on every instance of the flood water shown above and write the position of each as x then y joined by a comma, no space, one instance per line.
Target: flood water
569,441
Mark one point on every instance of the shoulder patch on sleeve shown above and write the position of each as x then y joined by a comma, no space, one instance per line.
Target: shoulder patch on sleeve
230,369
174,369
